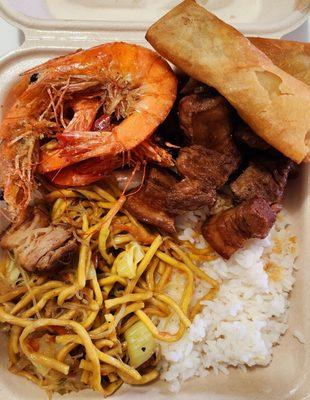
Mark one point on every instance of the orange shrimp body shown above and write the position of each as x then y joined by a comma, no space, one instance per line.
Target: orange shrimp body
144,78
19,134
131,81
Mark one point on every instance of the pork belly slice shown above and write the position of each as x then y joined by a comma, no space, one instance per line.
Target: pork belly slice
265,177
190,195
228,231
204,171
149,204
37,244
209,166
207,121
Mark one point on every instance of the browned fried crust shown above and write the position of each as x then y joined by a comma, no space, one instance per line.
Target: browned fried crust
208,121
228,231
292,57
190,195
274,103
209,166
149,203
265,177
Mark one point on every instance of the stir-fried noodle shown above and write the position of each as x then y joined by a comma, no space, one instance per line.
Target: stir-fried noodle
93,322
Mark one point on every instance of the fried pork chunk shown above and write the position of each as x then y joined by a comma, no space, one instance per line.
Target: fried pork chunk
246,135
190,194
38,245
207,121
265,177
227,231
198,162
204,171
149,204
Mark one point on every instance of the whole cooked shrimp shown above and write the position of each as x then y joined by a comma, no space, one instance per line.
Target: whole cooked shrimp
127,82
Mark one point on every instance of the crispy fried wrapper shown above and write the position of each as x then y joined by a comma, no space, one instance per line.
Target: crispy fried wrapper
274,103
292,57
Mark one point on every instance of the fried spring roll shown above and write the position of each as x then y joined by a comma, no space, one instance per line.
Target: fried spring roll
274,104
292,57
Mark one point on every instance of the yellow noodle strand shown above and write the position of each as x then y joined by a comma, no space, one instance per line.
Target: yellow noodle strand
84,256
66,294
110,280
168,300
147,321
63,193
96,289
144,263
12,294
146,378
62,354
12,320
198,306
103,194
163,336
118,364
90,195
83,335
128,298
108,217
132,320
189,288
150,274
197,271
164,279
39,306
154,311
34,292
104,343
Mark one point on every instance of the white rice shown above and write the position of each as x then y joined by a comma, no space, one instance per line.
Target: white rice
248,315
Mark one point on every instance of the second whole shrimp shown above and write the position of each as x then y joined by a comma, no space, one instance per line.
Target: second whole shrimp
51,125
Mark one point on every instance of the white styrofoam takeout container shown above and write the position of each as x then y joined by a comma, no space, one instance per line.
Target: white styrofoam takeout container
50,30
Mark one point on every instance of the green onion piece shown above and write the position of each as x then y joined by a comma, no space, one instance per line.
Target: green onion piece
140,344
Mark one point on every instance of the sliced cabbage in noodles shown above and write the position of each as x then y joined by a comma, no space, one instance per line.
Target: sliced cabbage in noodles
140,344
126,262
9,271
47,347
13,272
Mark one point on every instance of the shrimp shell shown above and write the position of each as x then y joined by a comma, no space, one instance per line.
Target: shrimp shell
147,90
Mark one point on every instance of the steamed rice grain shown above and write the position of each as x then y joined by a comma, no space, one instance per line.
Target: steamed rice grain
247,317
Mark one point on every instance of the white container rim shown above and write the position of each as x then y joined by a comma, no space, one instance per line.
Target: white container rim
31,25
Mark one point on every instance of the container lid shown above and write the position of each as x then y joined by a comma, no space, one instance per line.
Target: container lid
269,18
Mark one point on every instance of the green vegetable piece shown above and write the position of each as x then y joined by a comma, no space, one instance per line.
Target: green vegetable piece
126,262
140,344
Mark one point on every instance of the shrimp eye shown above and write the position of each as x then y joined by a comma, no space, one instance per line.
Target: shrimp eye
34,78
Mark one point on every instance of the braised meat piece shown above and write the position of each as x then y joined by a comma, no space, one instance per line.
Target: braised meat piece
246,135
227,231
207,121
209,166
204,171
37,244
149,203
264,177
190,195
157,185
